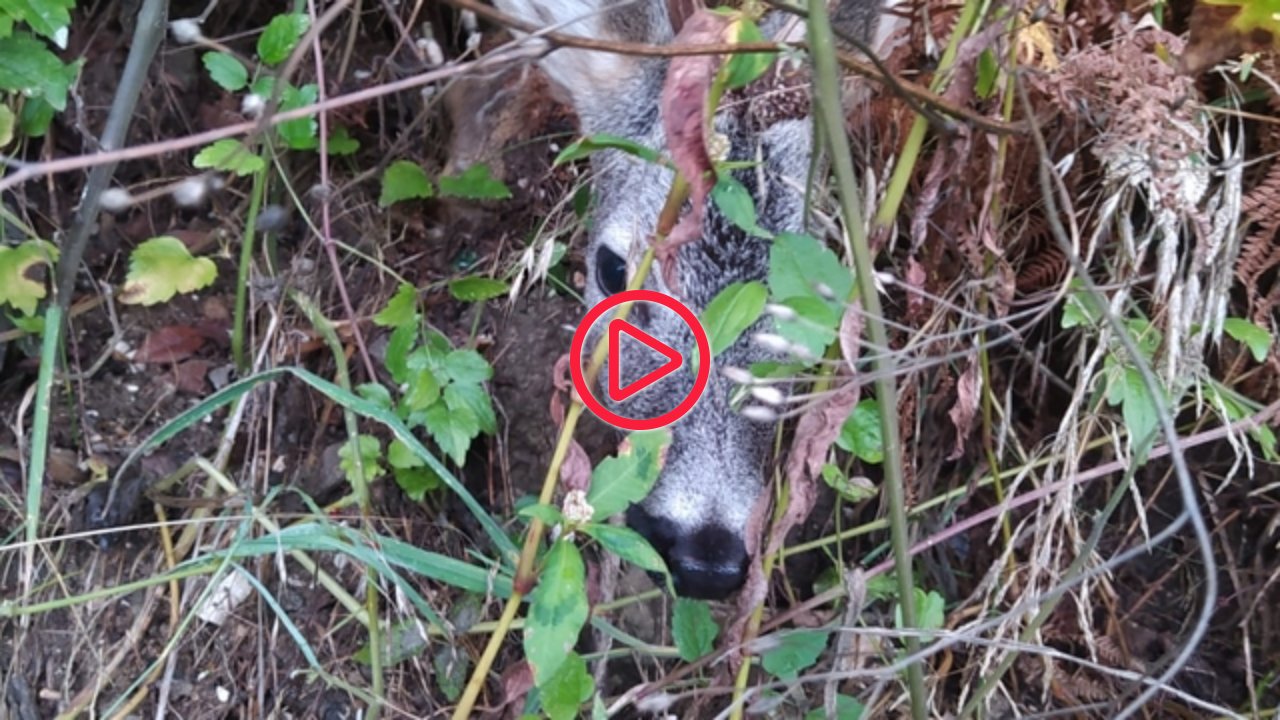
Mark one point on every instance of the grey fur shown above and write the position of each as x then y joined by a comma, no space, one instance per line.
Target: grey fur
714,473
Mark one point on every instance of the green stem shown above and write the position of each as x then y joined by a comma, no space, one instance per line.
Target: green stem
827,102
243,272
902,172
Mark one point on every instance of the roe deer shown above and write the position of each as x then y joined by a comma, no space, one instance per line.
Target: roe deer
697,513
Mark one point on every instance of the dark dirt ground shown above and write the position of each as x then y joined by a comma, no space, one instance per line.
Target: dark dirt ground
248,666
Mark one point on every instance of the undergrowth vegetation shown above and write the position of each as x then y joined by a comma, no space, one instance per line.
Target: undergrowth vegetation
283,293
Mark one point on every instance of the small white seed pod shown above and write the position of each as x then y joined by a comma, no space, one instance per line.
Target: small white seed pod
768,394
759,413
115,199
252,106
738,375
824,290
772,342
186,31
190,192
781,312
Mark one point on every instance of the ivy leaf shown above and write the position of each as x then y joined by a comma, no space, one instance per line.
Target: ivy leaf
731,312
1257,339
403,180
930,612
628,545
736,204
423,391
452,667
229,155
370,452
557,611
603,141
17,287
163,267
475,183
693,628
861,432
794,652
477,288
627,477
226,70
565,691
416,482
281,36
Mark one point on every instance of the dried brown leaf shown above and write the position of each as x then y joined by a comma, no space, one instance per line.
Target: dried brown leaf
171,343
962,414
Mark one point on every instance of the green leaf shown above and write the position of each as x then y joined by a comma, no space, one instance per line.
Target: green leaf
602,141
743,68
226,70
403,180
851,489
930,612
340,141
229,155
474,400
47,17
35,117
375,392
731,312
736,204
398,347
477,288
847,708
475,183
281,37
988,72
626,478
416,482
798,266
8,124
28,67
401,309
400,457
452,666
794,652
798,263
300,133
402,641
466,366
452,429
163,267
423,391
565,691
1257,339
1136,404
550,515
628,545
861,433
17,287
693,629
370,452
557,611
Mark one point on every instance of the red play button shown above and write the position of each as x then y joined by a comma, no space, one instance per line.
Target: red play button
673,360
616,329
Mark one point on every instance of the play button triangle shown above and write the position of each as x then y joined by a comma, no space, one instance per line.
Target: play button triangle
674,360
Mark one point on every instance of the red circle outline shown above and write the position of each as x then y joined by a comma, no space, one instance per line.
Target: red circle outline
580,339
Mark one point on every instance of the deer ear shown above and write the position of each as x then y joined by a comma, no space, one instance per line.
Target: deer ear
602,85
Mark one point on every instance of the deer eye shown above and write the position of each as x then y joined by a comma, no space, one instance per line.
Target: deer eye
611,270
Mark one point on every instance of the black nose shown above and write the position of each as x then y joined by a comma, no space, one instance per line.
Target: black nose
707,563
